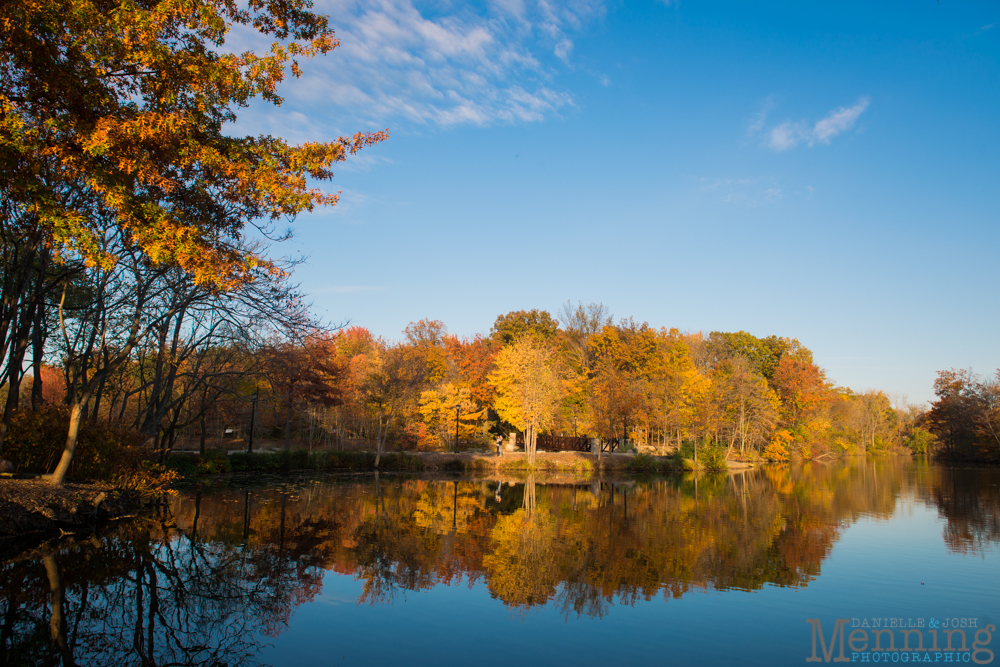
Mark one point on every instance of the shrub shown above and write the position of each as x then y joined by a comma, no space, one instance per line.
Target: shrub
777,449
147,480
213,463
713,458
402,461
36,440
642,463
920,441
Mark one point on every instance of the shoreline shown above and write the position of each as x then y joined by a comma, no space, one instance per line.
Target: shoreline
194,467
193,464
32,507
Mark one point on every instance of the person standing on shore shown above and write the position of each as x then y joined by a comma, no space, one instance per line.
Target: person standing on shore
499,445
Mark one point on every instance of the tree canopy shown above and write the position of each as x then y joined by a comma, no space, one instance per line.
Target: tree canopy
122,107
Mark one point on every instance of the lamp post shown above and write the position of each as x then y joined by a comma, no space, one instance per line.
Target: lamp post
457,409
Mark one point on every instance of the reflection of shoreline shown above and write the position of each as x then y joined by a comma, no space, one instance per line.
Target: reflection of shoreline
772,525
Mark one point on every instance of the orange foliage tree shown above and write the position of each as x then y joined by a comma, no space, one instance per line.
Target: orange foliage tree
123,106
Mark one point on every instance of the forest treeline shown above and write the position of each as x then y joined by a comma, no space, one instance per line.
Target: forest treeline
143,350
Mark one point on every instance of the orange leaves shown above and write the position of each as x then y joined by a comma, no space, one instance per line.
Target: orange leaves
801,386
125,102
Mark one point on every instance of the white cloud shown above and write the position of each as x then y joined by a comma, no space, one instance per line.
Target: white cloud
792,133
563,50
786,135
839,120
444,64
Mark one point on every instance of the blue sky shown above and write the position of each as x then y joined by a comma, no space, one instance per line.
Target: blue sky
826,171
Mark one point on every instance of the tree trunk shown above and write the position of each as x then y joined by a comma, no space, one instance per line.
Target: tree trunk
530,443
37,351
379,437
288,423
201,441
57,624
75,416
10,405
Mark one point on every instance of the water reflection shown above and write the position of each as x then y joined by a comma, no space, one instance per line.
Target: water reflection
210,581
969,498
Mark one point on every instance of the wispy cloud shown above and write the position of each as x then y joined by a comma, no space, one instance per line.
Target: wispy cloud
987,27
442,63
350,289
790,134
839,120
761,118
748,192
786,135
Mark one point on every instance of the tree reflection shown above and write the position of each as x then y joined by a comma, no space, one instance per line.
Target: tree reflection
146,595
390,554
210,583
969,499
521,568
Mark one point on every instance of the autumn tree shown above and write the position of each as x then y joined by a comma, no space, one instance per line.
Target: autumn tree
966,415
510,327
99,332
28,280
391,378
196,343
472,361
306,370
868,418
427,339
677,387
620,384
763,354
450,407
802,387
749,407
579,324
125,106
528,387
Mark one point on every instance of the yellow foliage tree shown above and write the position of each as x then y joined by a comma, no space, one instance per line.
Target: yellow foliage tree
529,387
441,407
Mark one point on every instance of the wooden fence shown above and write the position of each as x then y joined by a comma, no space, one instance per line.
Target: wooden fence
558,443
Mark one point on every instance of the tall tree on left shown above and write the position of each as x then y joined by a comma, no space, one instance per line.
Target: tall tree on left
121,106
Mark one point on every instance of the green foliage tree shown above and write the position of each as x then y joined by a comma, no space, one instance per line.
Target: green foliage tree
763,353
510,327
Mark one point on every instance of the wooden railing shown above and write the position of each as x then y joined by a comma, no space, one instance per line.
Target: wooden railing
558,443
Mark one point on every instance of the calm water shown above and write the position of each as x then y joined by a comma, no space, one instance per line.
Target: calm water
363,570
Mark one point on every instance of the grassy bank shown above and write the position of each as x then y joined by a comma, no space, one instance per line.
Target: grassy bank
579,463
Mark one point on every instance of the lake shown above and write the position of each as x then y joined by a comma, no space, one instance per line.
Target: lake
751,568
